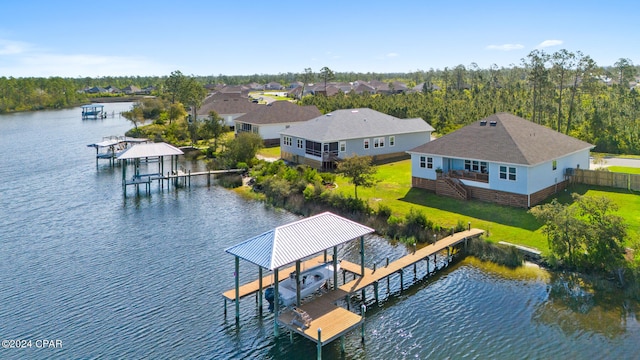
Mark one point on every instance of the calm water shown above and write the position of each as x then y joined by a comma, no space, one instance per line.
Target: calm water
141,277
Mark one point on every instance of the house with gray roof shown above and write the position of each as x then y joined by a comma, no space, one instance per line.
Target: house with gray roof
326,139
269,120
229,106
503,159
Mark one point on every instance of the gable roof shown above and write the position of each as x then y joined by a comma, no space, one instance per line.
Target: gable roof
149,150
354,124
279,112
297,240
504,138
226,103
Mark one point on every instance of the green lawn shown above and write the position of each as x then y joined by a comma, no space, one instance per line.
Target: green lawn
271,152
624,169
503,223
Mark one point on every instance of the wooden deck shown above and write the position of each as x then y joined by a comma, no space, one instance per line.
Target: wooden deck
322,311
371,276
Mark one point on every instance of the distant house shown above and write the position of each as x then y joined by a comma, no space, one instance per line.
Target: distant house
112,90
132,90
229,106
269,120
273,86
322,141
96,90
502,159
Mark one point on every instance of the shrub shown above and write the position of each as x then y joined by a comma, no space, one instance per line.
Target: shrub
384,210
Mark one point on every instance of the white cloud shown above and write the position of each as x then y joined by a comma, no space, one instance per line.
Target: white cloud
505,47
8,47
549,43
392,55
80,65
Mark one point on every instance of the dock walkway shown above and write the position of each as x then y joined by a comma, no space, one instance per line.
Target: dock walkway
323,313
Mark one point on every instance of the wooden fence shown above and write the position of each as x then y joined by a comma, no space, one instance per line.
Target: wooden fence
607,178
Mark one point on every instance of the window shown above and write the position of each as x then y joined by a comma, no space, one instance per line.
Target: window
313,148
483,167
343,146
475,166
392,141
508,173
554,164
429,163
423,161
467,165
300,143
366,143
287,140
378,142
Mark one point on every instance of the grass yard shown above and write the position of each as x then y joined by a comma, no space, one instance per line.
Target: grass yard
270,152
503,223
624,169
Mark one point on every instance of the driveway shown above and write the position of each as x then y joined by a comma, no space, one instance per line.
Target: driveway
615,161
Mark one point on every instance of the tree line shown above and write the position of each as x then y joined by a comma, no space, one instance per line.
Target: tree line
565,91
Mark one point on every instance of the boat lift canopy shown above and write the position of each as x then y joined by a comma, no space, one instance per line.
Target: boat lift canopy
297,240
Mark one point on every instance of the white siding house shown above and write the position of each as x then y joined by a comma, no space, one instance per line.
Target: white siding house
503,159
322,141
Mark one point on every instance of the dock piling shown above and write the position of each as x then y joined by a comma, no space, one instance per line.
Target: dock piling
319,344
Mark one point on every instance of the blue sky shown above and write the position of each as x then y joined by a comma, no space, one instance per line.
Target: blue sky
243,37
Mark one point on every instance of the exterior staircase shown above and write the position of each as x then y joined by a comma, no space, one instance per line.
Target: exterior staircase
451,187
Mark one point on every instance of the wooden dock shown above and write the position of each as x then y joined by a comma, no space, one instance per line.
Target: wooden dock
320,319
178,178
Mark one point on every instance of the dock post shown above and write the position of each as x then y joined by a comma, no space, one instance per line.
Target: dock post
298,283
342,344
415,272
363,310
325,255
189,177
364,296
388,280
260,290
362,256
448,254
344,277
276,302
209,178
374,267
435,261
427,266
335,266
291,336
237,275
319,355
225,308
401,280
375,292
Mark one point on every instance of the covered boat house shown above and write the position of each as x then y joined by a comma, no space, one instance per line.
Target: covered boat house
148,152
298,242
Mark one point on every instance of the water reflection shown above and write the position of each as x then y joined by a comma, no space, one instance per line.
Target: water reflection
575,307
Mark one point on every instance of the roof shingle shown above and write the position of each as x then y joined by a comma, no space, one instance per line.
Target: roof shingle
504,138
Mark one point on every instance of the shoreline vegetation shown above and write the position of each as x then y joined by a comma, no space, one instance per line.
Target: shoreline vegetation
304,191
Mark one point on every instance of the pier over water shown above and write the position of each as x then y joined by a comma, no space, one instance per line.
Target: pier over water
321,319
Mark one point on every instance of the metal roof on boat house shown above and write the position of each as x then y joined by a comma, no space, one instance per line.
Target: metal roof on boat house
150,150
298,240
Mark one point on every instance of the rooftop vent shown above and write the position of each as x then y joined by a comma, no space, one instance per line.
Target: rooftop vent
492,123
483,122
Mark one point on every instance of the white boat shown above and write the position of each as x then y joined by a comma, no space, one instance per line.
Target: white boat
311,280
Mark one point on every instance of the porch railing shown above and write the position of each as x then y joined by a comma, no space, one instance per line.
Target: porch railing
469,175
